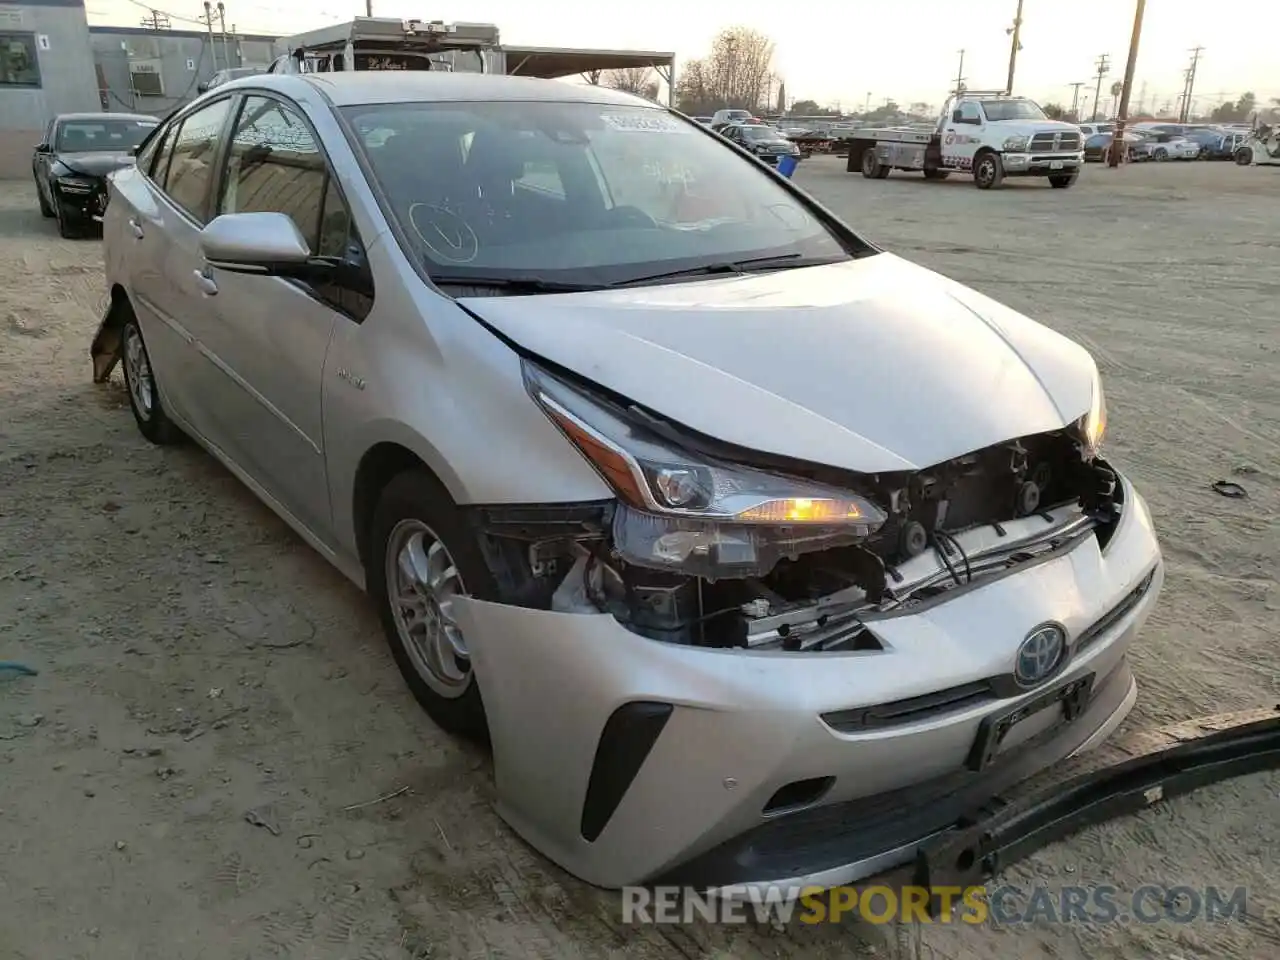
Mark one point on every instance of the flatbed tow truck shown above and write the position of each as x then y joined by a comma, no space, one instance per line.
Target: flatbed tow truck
387,43
988,135
1262,149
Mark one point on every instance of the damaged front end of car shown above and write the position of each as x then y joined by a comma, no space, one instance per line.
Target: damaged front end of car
716,547
739,644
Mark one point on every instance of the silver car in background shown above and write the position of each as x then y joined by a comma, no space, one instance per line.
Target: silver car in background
755,552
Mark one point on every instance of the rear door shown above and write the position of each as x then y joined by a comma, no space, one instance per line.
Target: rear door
166,204
271,335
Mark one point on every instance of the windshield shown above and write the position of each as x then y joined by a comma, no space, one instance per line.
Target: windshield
759,132
108,136
1012,110
577,193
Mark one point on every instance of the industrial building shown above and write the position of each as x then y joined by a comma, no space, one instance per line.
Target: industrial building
45,69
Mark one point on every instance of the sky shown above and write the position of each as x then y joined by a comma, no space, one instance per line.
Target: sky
849,53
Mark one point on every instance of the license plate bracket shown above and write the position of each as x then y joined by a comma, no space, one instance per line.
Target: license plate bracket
1055,164
1073,697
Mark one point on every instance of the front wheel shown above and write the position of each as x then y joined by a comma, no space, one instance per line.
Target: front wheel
1162,155
140,380
988,171
68,229
422,557
1244,157
1061,183
872,168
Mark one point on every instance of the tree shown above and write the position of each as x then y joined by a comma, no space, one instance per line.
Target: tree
736,73
1054,111
637,80
921,109
810,108
1241,109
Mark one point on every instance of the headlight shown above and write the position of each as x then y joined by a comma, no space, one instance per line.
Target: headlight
1016,143
73,185
684,512
1093,425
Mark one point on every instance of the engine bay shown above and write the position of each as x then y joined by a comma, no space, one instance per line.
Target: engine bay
947,526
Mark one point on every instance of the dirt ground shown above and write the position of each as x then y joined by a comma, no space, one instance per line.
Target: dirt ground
191,773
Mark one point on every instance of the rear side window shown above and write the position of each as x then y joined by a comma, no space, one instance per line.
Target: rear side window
195,150
153,149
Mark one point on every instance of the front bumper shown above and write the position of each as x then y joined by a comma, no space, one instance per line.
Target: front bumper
629,761
1041,164
80,205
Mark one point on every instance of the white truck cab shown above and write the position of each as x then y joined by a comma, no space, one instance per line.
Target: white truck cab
987,135
387,43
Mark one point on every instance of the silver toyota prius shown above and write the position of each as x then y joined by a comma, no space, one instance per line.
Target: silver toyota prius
756,553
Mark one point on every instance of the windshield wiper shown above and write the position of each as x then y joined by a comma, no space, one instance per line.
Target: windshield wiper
515,285
783,261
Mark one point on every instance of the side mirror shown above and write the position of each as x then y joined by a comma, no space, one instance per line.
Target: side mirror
261,243
43,148
202,86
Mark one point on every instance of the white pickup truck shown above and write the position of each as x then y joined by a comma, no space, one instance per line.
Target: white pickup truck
987,135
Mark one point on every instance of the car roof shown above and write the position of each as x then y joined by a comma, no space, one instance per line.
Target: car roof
105,116
360,87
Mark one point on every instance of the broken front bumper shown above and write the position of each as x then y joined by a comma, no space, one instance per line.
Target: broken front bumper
1041,165
629,761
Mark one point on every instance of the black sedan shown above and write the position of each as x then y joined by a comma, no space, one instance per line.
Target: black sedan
71,164
762,140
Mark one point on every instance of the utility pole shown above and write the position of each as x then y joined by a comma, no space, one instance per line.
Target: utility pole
960,76
208,22
222,22
1075,98
368,8
157,21
1103,65
1142,97
1191,84
1130,64
1014,46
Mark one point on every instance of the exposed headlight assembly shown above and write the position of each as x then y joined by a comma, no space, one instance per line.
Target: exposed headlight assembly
1092,427
683,512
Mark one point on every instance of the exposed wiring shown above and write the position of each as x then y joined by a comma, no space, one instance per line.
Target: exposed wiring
940,550
947,538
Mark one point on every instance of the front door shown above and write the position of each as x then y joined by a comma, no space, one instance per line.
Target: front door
273,333
962,135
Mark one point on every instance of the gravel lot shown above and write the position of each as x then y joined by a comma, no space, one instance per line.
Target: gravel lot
198,662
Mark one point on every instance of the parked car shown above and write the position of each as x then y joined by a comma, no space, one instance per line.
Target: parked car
629,467
1092,129
1171,146
1096,147
1224,147
728,116
232,73
71,163
765,141
705,121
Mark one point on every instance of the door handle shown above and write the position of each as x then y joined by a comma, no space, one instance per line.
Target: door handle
136,227
205,281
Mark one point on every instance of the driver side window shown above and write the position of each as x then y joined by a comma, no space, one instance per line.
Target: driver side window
970,112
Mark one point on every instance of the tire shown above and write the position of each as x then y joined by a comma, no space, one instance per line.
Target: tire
870,164
1161,155
1061,183
140,382
1244,156
933,173
414,512
988,170
45,210
67,230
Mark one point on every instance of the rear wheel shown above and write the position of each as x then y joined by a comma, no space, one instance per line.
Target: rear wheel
1061,183
68,229
988,170
872,168
144,398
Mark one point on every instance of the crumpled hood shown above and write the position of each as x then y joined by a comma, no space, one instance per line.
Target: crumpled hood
872,365
95,164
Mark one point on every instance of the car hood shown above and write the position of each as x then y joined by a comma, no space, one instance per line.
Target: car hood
95,164
871,365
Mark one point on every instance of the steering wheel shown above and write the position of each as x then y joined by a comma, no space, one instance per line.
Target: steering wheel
444,233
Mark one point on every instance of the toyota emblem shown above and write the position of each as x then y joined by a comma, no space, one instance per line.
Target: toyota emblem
1040,655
